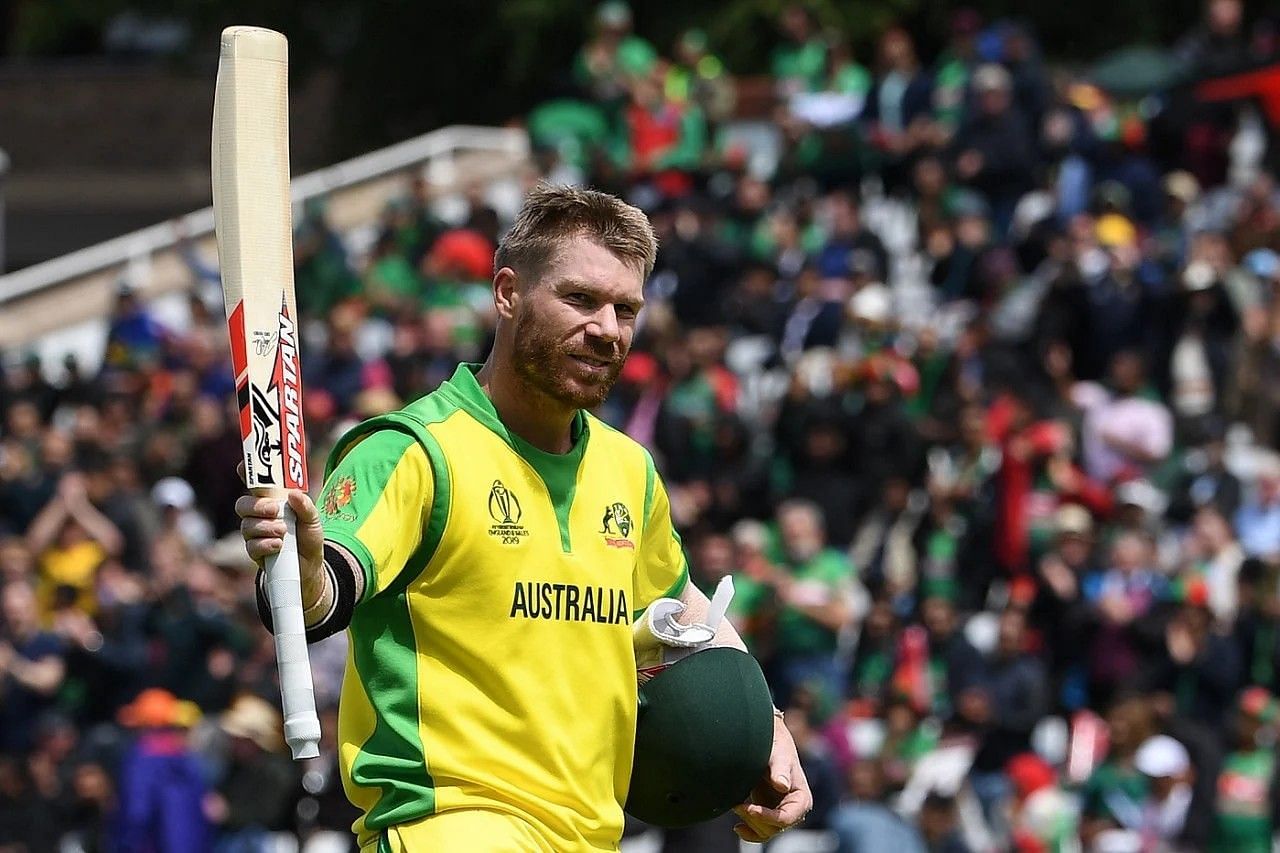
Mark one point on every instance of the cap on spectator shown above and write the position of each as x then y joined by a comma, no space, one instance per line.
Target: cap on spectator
1086,96
872,304
1073,520
1198,276
254,719
229,553
173,492
1258,703
156,708
1141,494
939,587
613,13
463,252
1161,757
1029,773
1114,230
992,78
1182,185
1264,263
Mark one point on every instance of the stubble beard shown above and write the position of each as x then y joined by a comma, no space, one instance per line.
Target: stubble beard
539,360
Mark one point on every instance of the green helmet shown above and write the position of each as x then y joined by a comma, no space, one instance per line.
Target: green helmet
703,738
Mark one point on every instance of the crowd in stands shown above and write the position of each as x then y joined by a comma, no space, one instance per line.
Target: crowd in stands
970,384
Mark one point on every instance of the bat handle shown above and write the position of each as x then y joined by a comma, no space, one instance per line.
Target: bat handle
284,593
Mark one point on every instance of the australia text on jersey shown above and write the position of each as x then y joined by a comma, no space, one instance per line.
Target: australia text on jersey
566,602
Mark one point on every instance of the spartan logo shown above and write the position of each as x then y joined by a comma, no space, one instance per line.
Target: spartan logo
277,412
504,509
617,518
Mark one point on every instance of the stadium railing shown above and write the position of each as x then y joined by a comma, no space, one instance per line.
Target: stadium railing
60,305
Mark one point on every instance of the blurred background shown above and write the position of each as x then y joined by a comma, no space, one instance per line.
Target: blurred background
960,356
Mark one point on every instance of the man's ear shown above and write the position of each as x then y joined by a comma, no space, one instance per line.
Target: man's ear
505,292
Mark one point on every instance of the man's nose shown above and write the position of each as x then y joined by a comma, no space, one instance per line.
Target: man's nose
604,325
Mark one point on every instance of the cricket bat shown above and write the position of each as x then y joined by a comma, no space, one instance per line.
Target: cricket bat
252,219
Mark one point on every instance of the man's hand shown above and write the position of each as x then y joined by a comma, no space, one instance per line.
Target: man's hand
782,799
263,530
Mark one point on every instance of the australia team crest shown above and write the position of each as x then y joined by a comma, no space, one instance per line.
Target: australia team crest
616,526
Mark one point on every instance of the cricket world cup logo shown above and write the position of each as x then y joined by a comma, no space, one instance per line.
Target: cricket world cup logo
504,509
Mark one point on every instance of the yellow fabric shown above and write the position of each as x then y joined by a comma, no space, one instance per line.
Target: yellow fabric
525,671
74,566
465,831
386,483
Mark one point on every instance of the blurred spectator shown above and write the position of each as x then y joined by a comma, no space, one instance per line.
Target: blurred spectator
996,150
954,665
1215,558
32,663
1198,668
1163,815
1125,433
698,76
819,767
614,57
799,62
322,274
1248,797
1113,796
258,788
162,787
134,336
71,538
940,826
1042,817
1258,519
1122,602
898,106
1009,700
1205,481
952,73
1059,609
865,822
812,587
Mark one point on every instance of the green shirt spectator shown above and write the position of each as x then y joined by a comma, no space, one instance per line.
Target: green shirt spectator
321,274
614,57
800,63
391,281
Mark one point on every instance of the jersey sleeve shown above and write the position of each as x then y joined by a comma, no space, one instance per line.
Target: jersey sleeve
661,570
375,503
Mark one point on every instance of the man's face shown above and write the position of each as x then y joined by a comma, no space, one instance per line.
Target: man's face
574,326
801,534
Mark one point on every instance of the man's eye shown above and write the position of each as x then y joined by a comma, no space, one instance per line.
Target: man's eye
625,311
578,298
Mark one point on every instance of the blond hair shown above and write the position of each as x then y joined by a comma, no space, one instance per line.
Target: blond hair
552,214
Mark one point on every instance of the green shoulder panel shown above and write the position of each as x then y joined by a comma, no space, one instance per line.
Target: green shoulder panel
413,420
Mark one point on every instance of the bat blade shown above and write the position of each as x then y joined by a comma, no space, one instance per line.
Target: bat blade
253,222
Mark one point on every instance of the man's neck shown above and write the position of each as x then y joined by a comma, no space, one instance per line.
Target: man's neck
528,413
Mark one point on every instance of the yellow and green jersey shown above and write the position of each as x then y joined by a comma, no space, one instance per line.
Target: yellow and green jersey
491,663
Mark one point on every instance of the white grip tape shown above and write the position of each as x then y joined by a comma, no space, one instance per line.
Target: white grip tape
284,594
